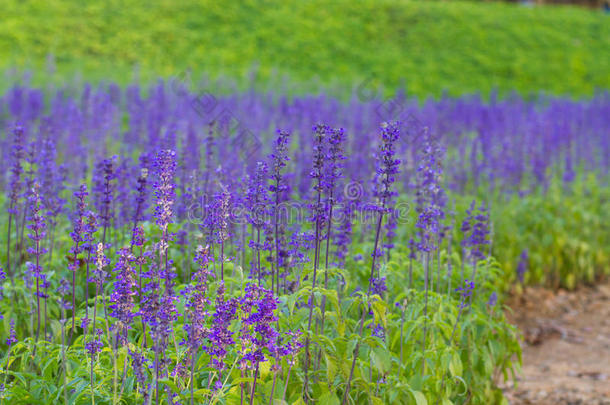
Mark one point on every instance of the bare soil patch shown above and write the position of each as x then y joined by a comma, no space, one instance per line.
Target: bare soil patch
566,346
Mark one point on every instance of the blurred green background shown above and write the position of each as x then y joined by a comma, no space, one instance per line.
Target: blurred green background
427,47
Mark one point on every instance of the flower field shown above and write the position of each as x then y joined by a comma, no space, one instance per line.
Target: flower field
304,202
169,246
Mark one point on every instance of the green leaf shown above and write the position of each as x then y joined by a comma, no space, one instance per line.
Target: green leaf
80,388
419,398
331,367
299,402
455,366
381,359
377,401
329,398
379,310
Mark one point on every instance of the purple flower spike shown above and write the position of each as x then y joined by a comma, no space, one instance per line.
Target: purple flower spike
522,267
12,339
465,292
122,296
94,346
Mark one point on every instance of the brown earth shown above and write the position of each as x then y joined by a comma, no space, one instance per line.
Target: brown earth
566,346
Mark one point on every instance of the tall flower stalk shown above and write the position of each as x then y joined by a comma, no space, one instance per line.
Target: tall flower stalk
77,235
164,191
223,227
478,236
257,201
94,345
89,246
319,215
121,307
104,190
30,181
431,199
387,168
196,306
141,195
333,174
164,310
258,334
15,185
37,226
278,186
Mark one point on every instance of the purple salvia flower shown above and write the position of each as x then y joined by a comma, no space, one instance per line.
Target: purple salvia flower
17,156
94,345
89,229
522,266
387,165
124,176
378,286
278,189
289,349
84,323
476,230
319,157
465,292
122,298
141,192
430,195
63,290
79,231
37,226
220,336
2,278
12,338
493,299
319,218
387,168
257,334
165,166
257,202
257,199
379,331
165,306
333,173
412,249
103,190
221,215
14,189
51,178
197,302
334,165
101,261
292,346
138,362
78,236
386,171
318,175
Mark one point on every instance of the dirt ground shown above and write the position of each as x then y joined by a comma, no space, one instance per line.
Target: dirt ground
566,347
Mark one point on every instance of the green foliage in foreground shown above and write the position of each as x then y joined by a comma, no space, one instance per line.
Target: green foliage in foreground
427,46
464,357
